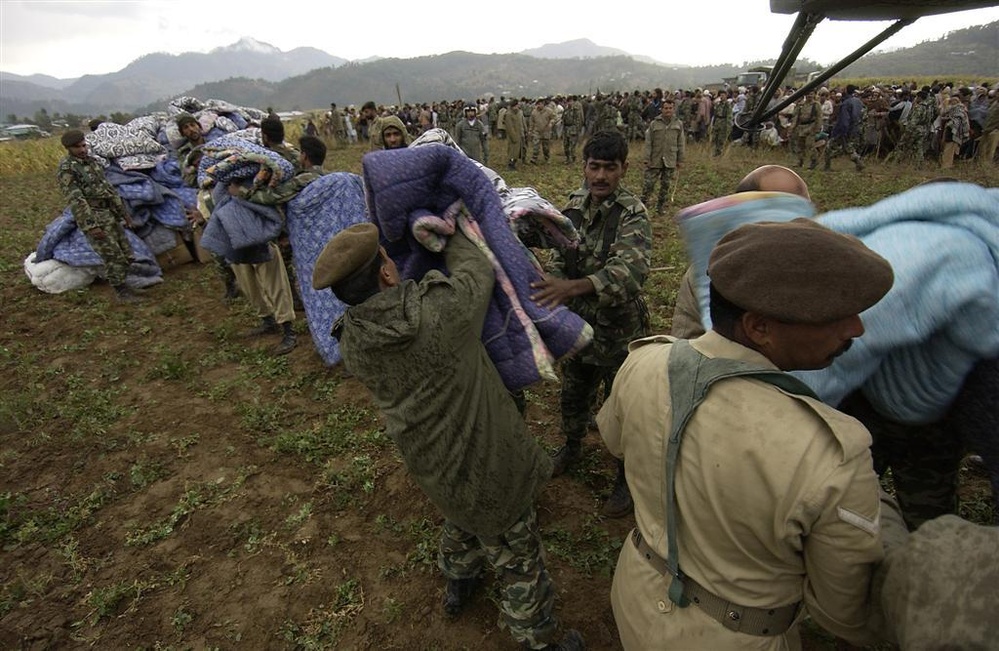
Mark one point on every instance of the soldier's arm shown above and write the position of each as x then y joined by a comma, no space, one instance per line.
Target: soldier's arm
627,265
681,147
471,275
76,200
281,193
842,550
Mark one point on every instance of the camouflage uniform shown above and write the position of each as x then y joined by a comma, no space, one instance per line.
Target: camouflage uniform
721,126
527,597
572,122
96,206
912,145
805,124
616,310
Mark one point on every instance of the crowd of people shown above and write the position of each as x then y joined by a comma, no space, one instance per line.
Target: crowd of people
736,537
896,122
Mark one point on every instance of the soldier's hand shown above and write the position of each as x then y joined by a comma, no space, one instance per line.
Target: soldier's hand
552,292
97,233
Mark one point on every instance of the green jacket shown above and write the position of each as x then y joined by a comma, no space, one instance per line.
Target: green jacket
417,347
92,199
665,144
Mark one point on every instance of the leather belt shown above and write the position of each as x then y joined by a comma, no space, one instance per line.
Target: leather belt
762,622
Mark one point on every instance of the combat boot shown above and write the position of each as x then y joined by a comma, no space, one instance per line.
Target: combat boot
812,163
231,289
512,165
572,641
268,326
458,593
801,161
827,167
859,163
288,341
619,503
124,294
565,457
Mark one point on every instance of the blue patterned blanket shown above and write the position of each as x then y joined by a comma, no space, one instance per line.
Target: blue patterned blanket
419,184
321,210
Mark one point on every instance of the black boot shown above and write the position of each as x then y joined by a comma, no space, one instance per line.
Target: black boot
565,457
124,294
457,594
619,503
571,641
288,341
268,326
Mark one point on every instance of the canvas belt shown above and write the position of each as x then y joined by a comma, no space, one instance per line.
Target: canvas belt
741,619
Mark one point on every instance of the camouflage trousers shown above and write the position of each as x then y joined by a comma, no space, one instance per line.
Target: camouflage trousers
911,147
569,137
527,597
719,136
924,461
114,250
839,146
540,143
581,383
664,175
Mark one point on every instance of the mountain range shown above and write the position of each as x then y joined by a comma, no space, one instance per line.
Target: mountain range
252,73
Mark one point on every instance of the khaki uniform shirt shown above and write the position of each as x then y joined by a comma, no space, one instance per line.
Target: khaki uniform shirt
777,497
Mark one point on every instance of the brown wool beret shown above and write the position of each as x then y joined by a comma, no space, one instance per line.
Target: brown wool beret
798,271
348,251
71,137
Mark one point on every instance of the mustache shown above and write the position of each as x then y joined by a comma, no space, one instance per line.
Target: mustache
842,349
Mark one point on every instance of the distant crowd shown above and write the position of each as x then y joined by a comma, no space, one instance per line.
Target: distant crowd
896,122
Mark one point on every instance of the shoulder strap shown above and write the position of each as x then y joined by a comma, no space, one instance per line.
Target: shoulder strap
691,375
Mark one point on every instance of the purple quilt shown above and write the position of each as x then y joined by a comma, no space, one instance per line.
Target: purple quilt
407,186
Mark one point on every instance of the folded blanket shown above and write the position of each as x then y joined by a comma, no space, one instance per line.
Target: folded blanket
702,225
941,315
404,185
322,209
239,230
232,158
64,242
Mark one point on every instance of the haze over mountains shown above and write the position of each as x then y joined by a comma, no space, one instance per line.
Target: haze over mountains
252,73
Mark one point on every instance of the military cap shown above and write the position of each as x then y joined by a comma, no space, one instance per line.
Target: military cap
185,118
348,251
798,271
71,137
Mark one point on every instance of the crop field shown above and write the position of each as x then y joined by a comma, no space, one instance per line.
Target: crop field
167,484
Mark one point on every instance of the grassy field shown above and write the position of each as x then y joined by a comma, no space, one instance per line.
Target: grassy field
165,483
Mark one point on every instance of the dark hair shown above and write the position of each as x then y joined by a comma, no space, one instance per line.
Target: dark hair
184,119
272,129
606,145
724,313
313,148
369,105
360,285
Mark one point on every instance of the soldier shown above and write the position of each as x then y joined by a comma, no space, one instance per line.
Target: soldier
916,129
601,281
736,535
804,125
572,122
470,134
721,125
418,348
272,137
514,125
98,211
542,121
665,144
846,131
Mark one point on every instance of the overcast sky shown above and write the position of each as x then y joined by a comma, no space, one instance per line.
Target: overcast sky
72,38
